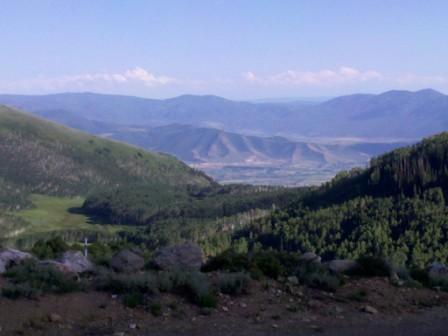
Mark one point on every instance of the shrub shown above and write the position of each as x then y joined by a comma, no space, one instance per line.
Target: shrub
369,266
14,291
439,281
31,277
268,264
198,289
233,283
317,276
127,283
155,309
100,254
49,249
133,299
229,261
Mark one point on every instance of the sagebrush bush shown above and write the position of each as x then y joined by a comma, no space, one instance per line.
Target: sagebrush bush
194,285
15,291
233,283
317,276
127,283
198,289
439,281
33,278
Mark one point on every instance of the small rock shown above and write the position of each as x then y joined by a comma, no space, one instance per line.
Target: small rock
54,318
224,308
275,326
293,280
370,310
133,326
310,257
243,305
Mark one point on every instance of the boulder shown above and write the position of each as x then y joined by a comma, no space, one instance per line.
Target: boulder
10,257
437,271
186,256
127,261
309,257
56,265
342,265
76,262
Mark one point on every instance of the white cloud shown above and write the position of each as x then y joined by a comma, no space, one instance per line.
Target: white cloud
135,76
412,79
315,78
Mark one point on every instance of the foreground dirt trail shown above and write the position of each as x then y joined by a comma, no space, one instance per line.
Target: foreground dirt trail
270,309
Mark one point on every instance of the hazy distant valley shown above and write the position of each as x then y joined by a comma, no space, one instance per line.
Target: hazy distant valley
277,143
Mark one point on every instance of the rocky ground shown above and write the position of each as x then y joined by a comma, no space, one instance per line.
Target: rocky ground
361,307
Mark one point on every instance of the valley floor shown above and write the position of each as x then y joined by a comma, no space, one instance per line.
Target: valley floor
269,309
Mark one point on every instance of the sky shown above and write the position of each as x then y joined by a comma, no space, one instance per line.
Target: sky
247,49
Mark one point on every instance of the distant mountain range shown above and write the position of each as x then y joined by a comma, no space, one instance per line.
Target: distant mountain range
393,114
241,141
209,147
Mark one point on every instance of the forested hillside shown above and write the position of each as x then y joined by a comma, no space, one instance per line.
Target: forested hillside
396,209
45,158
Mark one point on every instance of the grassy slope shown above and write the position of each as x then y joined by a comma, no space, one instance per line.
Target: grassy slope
50,159
52,216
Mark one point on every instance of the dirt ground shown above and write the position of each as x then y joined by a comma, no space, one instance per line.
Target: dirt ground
269,309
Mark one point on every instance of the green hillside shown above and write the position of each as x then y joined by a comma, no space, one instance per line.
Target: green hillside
44,158
396,209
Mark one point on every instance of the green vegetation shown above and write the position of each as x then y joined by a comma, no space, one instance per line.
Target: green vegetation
395,210
50,171
234,283
137,287
31,279
52,216
49,249
45,158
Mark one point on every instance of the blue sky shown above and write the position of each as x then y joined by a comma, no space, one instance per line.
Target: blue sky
238,49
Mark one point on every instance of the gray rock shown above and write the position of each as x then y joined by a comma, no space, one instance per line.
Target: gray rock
437,271
342,265
186,256
293,280
127,261
55,264
10,257
76,262
310,257
369,310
